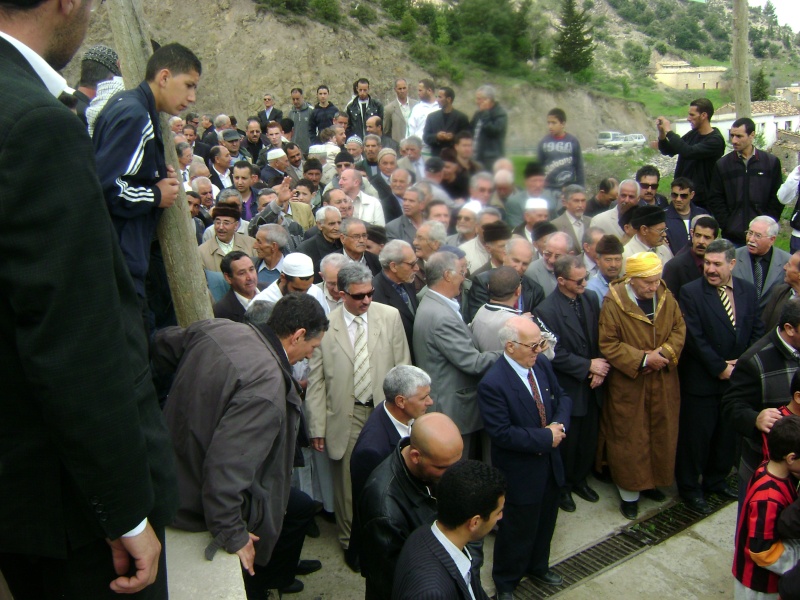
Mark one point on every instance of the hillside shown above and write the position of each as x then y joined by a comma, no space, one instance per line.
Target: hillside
247,50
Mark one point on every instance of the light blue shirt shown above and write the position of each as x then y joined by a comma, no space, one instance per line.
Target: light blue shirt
599,286
522,373
450,302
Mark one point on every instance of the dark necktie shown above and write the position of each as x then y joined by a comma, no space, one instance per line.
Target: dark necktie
758,276
726,303
537,399
404,296
578,308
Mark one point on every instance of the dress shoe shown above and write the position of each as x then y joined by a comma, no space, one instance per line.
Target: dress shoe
565,502
295,588
505,596
726,492
629,510
698,505
306,567
654,494
312,530
548,578
585,492
352,561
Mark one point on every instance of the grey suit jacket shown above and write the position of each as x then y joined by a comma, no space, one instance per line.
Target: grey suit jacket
401,228
394,124
562,223
445,348
539,273
744,269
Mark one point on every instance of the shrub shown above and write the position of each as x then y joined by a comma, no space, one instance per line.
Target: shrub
364,14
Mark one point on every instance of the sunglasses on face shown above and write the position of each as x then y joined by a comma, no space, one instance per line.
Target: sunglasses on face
649,186
681,196
361,296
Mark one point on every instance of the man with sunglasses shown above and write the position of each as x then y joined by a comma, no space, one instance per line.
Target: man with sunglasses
648,177
572,315
526,414
345,382
680,213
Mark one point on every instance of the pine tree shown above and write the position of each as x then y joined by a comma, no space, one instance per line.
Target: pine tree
760,87
574,49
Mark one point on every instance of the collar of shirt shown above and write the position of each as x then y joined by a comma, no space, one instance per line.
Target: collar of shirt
226,248
54,82
244,301
403,429
462,558
330,298
348,318
361,261
521,371
262,265
450,302
791,350
591,266
576,221
501,307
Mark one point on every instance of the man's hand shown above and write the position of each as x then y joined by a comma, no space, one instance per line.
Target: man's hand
557,429
145,550
318,444
284,191
247,554
595,381
599,366
169,188
767,418
664,127
726,374
656,362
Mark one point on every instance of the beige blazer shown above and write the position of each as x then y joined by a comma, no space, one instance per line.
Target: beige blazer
211,255
302,214
329,397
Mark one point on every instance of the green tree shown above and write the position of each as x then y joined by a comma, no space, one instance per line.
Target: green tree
760,88
574,49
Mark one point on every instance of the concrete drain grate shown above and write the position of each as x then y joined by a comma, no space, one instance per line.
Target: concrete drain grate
619,547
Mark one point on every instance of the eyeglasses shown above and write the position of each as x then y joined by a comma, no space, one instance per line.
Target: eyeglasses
539,346
361,296
649,186
410,264
357,236
681,196
303,278
660,231
578,281
464,218
756,236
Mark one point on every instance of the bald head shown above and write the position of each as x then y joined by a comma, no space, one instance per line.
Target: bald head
435,445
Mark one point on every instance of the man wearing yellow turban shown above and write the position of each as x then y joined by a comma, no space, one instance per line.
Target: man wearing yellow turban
641,335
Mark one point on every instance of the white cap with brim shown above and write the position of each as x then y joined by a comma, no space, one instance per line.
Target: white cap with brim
473,206
275,153
297,264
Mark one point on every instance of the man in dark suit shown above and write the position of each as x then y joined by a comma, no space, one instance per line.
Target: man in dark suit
781,293
269,112
442,125
519,254
526,415
326,241
721,316
198,148
354,244
393,285
572,315
680,213
85,452
687,265
221,173
435,562
240,273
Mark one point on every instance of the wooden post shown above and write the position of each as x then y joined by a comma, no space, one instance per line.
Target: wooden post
740,62
176,233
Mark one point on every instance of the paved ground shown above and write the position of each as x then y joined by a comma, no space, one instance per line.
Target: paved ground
693,564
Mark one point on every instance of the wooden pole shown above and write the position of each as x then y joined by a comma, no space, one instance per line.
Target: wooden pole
176,233
740,62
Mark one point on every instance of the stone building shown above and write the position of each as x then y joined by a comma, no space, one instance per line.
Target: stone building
683,76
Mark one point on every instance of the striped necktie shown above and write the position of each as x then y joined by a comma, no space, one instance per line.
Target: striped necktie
726,303
758,276
362,380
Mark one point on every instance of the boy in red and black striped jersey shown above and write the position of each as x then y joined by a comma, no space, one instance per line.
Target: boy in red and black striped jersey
760,556
792,408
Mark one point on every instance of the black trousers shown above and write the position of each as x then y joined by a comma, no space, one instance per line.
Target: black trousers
579,447
706,446
84,575
279,572
522,545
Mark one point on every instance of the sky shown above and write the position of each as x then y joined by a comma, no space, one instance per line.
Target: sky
788,11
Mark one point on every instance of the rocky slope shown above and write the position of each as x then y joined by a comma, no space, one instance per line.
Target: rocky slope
245,54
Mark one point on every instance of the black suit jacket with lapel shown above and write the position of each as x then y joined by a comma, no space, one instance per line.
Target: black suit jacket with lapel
84,449
711,338
576,347
426,570
377,440
391,208
532,294
677,235
200,149
680,270
229,307
386,294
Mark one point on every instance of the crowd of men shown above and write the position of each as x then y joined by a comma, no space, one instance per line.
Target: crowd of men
393,315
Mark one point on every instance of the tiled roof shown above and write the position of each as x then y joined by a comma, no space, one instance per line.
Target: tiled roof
779,108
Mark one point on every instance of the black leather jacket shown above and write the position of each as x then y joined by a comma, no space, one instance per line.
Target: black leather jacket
393,504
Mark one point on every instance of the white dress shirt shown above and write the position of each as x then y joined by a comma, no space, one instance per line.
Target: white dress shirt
462,558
